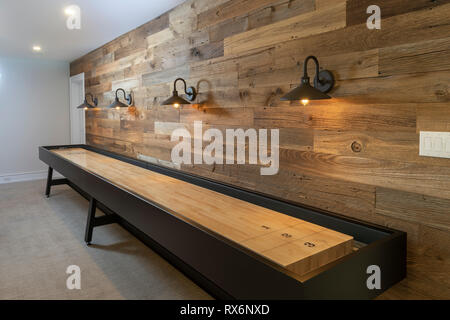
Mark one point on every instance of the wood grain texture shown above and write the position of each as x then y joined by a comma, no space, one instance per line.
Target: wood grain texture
275,236
431,211
426,56
242,56
433,117
357,8
228,10
289,29
402,146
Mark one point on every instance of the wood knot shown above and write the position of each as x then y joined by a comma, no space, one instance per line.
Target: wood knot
356,146
441,93
195,52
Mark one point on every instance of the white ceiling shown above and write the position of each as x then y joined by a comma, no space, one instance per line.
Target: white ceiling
24,23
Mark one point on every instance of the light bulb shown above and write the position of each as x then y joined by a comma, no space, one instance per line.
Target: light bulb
176,105
305,101
85,108
117,108
69,11
37,48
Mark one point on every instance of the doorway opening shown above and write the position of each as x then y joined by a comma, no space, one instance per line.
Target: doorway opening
77,116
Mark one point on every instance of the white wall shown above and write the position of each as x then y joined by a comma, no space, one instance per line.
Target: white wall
34,111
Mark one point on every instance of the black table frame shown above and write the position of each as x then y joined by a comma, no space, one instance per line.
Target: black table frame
222,267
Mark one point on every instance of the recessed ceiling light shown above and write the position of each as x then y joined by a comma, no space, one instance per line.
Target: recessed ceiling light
69,11
37,49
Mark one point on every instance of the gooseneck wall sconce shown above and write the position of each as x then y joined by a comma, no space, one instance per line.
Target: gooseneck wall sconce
118,104
323,83
86,105
175,100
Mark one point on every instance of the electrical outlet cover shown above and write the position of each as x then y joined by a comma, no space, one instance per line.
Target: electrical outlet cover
435,144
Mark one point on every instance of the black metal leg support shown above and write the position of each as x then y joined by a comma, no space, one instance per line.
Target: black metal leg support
49,181
90,221
93,222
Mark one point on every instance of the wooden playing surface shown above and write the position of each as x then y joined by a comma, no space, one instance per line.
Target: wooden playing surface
294,244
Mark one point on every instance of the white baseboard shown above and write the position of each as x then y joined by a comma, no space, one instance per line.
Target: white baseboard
26,176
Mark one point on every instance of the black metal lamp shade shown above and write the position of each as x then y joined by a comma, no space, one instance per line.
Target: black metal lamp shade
323,83
86,105
305,91
117,103
175,100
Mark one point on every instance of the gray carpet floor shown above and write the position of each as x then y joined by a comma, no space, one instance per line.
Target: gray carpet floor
40,238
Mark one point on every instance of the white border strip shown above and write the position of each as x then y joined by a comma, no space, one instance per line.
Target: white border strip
26,176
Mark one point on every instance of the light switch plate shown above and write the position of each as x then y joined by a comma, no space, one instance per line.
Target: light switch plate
435,144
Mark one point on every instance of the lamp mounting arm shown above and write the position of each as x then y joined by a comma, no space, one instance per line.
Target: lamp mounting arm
190,92
94,100
305,66
127,98
175,84
323,81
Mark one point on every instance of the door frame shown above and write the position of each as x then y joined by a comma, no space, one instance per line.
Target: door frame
77,116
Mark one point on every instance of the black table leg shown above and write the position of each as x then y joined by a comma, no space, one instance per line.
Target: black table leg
49,181
90,221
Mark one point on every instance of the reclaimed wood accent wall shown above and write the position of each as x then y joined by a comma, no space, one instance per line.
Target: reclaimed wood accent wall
242,55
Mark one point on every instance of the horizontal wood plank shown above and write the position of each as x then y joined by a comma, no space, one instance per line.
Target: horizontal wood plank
290,29
430,211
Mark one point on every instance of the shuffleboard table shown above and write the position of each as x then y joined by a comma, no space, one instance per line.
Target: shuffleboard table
233,242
